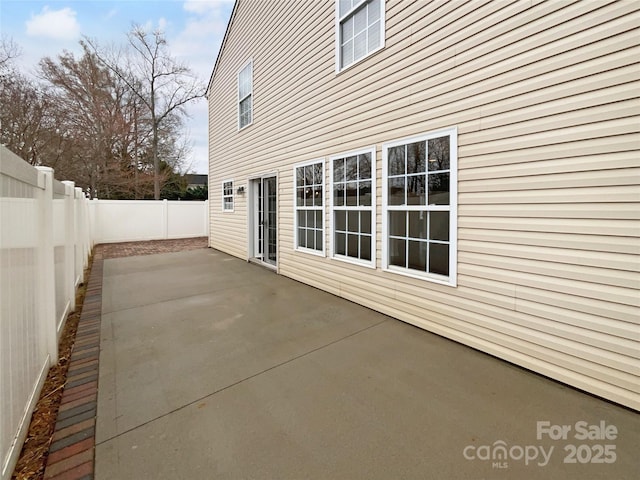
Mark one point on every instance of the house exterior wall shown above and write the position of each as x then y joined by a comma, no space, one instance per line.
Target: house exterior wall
544,96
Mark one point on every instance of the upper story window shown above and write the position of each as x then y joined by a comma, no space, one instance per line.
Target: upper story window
419,202
245,96
309,207
353,216
227,196
359,30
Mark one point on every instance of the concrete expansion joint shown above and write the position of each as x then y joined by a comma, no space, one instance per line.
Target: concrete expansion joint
250,377
170,300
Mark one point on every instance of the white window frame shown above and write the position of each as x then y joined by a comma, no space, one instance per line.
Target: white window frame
451,279
338,40
297,208
248,64
228,196
372,208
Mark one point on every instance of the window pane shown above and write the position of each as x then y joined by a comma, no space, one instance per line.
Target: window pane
365,194
439,258
364,166
308,196
352,245
302,218
302,239
347,53
311,238
338,170
340,220
418,224
398,224
374,37
345,5
300,176
374,11
319,222
396,191
308,175
416,190
244,82
439,226
311,219
365,247
245,112
317,173
360,45
351,168
439,154
352,193
439,189
396,160
365,222
300,196
347,30
360,21
353,223
318,239
397,253
416,157
418,256
340,245
338,195
317,196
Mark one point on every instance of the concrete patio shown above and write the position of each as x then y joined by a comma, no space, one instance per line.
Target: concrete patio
211,367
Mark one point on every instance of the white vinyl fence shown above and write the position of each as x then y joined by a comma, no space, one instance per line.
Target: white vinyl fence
139,220
44,248
47,231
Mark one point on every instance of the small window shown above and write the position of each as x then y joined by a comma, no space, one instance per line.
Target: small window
353,216
309,207
419,202
245,96
227,196
359,30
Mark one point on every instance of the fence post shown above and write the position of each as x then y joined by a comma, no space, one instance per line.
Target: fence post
206,218
46,264
94,214
70,242
79,243
165,219
88,234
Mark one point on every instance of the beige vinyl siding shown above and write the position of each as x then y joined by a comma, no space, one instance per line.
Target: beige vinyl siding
545,99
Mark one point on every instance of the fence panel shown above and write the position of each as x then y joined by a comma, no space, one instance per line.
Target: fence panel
44,247
60,253
139,220
24,335
186,219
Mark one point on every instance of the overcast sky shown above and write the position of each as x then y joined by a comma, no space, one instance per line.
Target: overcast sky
194,30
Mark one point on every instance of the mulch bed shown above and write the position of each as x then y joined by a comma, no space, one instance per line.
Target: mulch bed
35,451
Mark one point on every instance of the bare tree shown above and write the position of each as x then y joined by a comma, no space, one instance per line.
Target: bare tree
26,126
9,50
99,115
163,84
